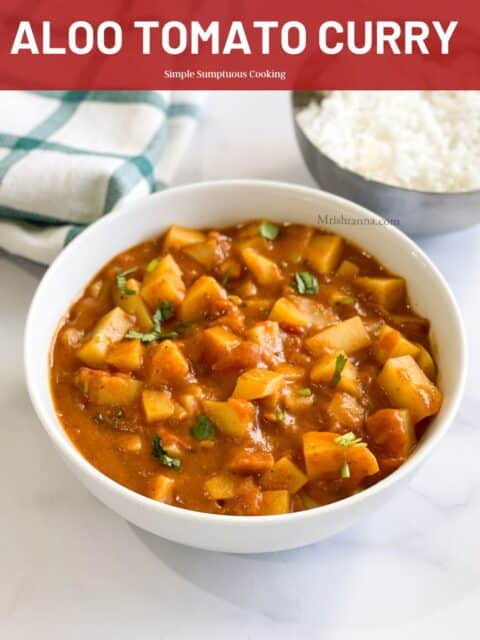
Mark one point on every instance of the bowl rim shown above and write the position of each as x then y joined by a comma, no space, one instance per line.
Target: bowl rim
364,179
61,440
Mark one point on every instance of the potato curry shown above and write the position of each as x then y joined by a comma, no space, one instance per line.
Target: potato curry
256,370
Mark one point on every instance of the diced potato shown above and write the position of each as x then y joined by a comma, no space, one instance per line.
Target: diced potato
172,443
190,400
126,355
348,336
199,298
161,488
295,401
130,442
391,432
221,487
425,361
284,475
111,328
407,387
254,242
270,405
157,405
134,304
324,252
285,310
258,306
267,334
362,462
163,283
179,412
205,253
114,325
387,292
112,389
335,296
178,237
233,268
257,383
391,343
324,369
299,311
248,289
295,242
168,365
345,410
166,265
190,403
348,270
317,315
250,462
218,342
264,270
324,457
250,230
290,371
275,502
233,417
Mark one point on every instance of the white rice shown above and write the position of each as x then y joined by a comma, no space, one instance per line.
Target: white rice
426,140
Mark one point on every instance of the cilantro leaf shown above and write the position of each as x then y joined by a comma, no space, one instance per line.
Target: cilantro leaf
166,309
340,363
144,337
152,265
122,282
348,440
268,230
151,336
345,470
345,300
203,429
305,392
182,327
164,312
159,452
226,277
305,283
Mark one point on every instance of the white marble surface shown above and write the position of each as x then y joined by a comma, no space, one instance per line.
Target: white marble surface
69,568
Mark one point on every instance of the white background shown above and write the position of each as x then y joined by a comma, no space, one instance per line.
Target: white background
69,568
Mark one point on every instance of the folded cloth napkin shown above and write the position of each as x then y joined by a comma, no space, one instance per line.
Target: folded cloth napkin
69,157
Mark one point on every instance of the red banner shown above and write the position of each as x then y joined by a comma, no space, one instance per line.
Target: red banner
218,44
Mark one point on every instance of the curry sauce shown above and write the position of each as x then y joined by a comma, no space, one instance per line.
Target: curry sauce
253,370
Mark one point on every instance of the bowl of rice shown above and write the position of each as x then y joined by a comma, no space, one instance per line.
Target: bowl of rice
411,156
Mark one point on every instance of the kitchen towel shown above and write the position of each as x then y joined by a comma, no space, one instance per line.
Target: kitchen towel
69,157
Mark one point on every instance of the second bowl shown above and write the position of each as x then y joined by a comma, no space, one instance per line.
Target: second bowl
417,213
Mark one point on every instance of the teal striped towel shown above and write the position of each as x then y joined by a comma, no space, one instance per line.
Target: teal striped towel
69,157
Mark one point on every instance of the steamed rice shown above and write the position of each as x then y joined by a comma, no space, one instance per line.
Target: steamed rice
426,140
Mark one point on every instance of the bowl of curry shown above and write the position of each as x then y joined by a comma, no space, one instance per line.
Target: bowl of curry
230,356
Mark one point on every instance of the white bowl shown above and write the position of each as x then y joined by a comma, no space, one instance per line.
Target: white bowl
219,204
